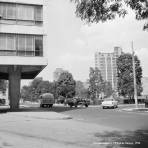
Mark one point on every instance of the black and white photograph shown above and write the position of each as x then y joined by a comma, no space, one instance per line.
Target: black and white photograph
73,74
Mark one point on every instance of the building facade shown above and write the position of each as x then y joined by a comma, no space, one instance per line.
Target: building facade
22,43
145,86
106,63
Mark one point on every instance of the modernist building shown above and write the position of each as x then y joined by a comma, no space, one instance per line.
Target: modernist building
106,63
22,43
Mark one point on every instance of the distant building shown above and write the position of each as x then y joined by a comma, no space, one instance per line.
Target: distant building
145,85
57,73
106,63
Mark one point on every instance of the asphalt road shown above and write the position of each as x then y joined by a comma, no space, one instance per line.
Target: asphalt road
107,117
133,125
129,128
111,117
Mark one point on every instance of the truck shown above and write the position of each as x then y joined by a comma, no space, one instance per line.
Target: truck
47,100
77,101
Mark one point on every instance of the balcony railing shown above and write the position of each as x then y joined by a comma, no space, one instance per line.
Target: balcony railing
20,53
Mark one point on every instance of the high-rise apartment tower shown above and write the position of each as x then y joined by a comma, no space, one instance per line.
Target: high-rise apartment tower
106,63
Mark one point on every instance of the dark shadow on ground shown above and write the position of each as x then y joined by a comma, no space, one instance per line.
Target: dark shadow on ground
127,139
2,111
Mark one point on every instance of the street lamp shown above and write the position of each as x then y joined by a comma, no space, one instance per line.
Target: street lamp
134,75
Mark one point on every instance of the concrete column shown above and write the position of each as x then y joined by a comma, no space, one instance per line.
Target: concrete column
14,86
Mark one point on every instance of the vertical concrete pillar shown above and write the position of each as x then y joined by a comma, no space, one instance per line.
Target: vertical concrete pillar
14,86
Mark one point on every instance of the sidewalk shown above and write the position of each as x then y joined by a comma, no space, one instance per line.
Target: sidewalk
144,110
48,130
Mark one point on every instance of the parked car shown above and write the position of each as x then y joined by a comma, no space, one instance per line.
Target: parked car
76,101
109,103
47,100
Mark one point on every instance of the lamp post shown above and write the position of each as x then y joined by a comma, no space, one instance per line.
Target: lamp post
134,75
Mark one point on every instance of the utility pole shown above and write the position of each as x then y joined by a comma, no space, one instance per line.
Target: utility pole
134,75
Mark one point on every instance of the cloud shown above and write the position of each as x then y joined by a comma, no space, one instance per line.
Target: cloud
72,44
142,55
77,64
68,57
79,42
90,29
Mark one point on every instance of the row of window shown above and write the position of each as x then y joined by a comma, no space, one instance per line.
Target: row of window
22,43
21,12
104,58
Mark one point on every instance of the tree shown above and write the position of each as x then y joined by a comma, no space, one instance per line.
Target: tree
25,93
107,88
65,85
45,87
3,86
95,83
34,91
36,88
34,84
125,75
103,10
81,91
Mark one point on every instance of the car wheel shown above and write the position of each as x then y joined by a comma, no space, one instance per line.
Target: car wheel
114,107
103,107
86,105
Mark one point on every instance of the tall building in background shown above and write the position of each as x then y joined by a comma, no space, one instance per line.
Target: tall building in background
57,73
145,86
22,43
106,63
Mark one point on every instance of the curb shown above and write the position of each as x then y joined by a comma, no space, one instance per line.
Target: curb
138,110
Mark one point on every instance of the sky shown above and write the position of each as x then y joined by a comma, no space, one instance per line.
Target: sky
72,43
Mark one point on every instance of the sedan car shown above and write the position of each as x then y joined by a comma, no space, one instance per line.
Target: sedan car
109,103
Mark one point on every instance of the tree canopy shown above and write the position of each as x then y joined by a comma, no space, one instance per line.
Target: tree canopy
102,10
3,86
125,75
65,85
107,88
37,87
81,91
95,83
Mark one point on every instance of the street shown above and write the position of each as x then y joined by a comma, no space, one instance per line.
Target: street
111,117
91,127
